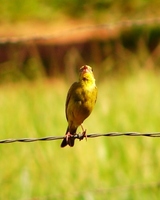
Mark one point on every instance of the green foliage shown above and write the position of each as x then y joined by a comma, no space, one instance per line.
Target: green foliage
113,168
17,10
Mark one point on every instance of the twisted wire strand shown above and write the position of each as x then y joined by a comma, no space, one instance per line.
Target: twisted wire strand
81,136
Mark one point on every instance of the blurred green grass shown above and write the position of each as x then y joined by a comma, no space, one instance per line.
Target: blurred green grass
107,167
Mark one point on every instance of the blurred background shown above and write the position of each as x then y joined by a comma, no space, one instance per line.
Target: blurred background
42,45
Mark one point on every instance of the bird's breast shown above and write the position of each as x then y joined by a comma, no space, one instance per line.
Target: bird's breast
84,103
81,104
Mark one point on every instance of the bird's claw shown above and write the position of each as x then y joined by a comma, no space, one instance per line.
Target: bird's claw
82,136
68,135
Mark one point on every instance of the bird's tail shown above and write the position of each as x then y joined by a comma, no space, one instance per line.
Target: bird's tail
70,140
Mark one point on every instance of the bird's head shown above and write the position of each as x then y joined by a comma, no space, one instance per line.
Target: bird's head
86,73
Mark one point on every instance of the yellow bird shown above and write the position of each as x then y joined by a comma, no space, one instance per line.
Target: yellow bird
80,101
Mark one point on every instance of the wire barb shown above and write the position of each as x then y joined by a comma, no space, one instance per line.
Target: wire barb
81,136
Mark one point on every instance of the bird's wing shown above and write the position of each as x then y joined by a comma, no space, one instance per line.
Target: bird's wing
96,91
69,95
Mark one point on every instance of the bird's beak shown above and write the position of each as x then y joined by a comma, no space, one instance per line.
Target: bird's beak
85,69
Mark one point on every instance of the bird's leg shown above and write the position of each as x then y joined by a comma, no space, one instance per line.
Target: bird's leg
84,132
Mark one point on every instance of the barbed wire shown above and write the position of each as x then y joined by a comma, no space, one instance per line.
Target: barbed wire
103,26
81,136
